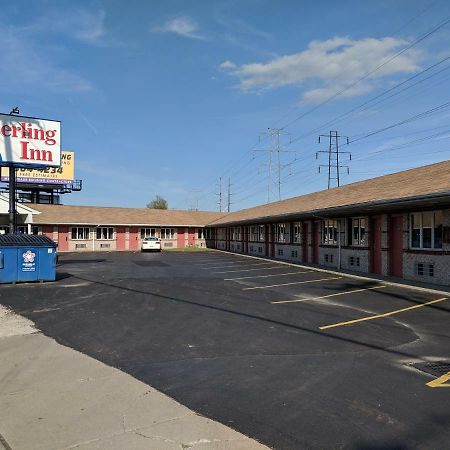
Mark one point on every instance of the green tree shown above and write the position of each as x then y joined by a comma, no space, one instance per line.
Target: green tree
158,203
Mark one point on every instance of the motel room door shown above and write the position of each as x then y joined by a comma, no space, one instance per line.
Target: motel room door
120,238
191,237
304,242
315,242
375,245
63,238
133,239
181,243
396,246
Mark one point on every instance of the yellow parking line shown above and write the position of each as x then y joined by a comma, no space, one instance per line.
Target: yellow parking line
440,382
326,296
379,316
288,284
266,276
249,270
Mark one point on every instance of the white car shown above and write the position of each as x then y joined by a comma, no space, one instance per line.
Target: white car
151,243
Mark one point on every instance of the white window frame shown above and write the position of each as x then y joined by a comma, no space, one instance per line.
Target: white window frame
148,232
85,231
282,233
261,233
104,231
329,232
167,233
421,228
236,233
359,242
297,232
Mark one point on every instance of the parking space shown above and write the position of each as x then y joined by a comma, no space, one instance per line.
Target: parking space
278,351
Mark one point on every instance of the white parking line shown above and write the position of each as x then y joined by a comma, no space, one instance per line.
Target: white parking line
229,266
289,284
249,270
267,276
225,262
326,296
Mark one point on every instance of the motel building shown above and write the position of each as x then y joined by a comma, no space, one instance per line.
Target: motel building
396,225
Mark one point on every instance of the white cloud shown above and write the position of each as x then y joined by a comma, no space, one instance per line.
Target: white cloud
183,26
227,65
326,67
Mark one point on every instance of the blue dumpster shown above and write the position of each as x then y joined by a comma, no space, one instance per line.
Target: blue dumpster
27,258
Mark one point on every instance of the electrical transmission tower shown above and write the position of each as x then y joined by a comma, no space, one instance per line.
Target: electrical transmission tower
274,164
229,195
219,194
334,153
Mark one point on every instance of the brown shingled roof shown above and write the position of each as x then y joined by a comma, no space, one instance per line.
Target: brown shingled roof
96,215
424,181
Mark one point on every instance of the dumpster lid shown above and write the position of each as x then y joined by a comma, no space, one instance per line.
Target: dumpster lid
14,240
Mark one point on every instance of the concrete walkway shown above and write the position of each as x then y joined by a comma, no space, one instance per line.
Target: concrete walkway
52,397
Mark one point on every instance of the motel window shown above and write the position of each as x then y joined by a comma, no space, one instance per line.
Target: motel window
329,232
167,233
297,232
79,233
221,234
236,233
426,230
4,230
253,233
105,233
201,233
359,231
261,233
282,232
148,232
24,230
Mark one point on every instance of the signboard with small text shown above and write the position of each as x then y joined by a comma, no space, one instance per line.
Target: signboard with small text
46,175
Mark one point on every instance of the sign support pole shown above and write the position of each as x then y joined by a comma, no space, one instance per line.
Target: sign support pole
12,200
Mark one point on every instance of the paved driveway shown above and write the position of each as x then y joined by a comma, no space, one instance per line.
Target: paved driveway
296,358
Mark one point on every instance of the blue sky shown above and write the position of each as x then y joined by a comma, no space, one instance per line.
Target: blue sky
166,97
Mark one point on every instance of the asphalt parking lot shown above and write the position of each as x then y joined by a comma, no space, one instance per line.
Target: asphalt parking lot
294,357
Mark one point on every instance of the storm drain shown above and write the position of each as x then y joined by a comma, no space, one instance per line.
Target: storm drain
435,368
150,264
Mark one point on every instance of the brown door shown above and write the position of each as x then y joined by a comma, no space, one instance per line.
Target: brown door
396,246
375,247
191,237
315,243
120,236
63,236
272,241
180,238
305,242
133,239
266,238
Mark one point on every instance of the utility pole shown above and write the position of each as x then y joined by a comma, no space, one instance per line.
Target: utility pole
12,190
220,195
274,163
229,195
333,151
